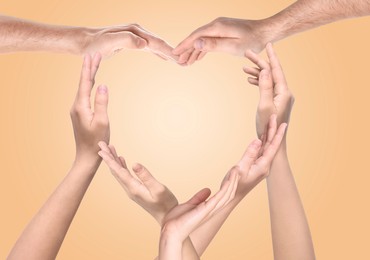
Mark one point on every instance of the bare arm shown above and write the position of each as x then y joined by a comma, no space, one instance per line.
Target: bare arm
23,35
308,14
235,36
44,235
289,227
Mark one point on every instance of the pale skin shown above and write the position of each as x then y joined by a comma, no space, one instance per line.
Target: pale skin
159,201
44,235
235,36
289,226
23,35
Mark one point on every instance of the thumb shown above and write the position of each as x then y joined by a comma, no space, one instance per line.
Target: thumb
199,197
101,103
215,44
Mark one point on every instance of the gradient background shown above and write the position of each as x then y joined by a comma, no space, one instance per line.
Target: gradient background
327,70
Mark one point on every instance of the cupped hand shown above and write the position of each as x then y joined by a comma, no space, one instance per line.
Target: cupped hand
185,218
255,163
145,190
90,126
111,40
229,35
275,96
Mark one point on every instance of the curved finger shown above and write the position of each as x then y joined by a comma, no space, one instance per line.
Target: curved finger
146,178
250,155
253,57
193,57
201,55
253,81
184,57
255,72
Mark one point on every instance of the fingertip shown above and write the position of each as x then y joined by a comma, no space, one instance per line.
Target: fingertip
103,90
257,143
101,144
137,167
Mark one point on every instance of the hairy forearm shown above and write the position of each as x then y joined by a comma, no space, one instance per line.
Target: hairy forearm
23,35
44,235
289,227
303,15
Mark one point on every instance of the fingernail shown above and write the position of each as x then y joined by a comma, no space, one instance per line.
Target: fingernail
137,167
199,44
102,89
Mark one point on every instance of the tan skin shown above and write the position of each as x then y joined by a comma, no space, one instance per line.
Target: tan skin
44,235
235,36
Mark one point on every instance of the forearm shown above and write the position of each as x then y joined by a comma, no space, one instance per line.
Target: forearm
22,35
169,249
203,236
303,15
188,250
44,235
289,227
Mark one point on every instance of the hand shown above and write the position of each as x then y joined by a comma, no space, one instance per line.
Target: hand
233,36
255,164
90,126
275,97
153,196
111,40
185,218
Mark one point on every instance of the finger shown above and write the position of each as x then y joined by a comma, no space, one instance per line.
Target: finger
101,104
193,57
271,150
123,162
228,194
263,163
250,155
272,128
114,153
184,57
86,84
277,72
253,81
216,44
201,55
95,65
253,57
104,147
266,88
113,165
255,72
146,177
155,44
200,197
188,42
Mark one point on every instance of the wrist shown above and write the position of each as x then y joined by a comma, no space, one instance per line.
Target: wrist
86,163
84,38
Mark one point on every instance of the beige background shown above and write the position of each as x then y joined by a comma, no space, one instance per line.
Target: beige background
327,69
